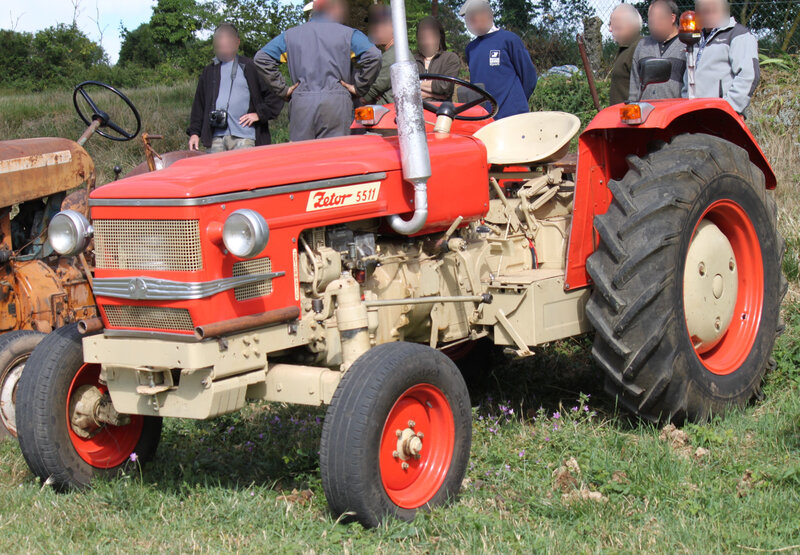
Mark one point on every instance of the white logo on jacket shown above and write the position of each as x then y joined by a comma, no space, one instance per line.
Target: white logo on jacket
494,57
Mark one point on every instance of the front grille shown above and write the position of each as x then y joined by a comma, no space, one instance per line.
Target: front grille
150,317
250,268
152,245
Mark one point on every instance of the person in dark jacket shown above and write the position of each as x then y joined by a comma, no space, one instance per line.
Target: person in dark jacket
626,28
663,18
381,33
330,64
432,57
498,60
230,88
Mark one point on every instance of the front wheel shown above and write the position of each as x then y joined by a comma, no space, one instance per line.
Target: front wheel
397,434
688,284
68,430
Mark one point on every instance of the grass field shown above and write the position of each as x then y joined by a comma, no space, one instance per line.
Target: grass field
555,467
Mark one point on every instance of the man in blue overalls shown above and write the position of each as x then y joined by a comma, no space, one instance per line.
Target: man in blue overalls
330,65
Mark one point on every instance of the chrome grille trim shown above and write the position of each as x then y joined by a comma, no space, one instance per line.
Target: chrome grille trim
256,267
151,317
144,288
152,245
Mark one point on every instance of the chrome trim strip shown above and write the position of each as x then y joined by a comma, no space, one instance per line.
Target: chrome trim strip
161,335
145,288
242,195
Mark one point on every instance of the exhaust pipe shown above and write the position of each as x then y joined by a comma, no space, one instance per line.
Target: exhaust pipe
410,125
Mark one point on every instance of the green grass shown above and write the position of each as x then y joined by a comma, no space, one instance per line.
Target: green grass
227,485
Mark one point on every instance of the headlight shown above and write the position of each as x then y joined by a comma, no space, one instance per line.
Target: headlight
69,233
245,233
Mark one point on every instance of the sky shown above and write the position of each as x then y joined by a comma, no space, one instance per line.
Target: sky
34,15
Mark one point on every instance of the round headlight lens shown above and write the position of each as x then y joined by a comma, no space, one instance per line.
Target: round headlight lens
245,233
69,233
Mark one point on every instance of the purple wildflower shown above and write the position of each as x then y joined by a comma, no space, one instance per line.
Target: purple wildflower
521,453
556,415
133,457
574,409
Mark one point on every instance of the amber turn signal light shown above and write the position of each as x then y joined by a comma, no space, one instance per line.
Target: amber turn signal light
689,22
365,113
631,113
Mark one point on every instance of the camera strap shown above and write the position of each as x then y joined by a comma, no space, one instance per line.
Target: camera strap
234,69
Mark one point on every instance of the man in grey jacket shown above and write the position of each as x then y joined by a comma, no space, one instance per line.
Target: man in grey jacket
727,57
329,63
662,19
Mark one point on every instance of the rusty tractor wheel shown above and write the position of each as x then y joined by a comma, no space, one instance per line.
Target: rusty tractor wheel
15,349
68,430
688,283
397,434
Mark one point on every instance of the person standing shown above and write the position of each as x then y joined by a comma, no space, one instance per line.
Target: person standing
381,33
626,29
498,60
433,57
727,57
231,107
663,19
321,55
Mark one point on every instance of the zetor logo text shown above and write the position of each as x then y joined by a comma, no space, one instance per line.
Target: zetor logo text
337,197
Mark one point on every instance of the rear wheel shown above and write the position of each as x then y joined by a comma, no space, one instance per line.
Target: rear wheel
688,283
68,429
397,434
15,349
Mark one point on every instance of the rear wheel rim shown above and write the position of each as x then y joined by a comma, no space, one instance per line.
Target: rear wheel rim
112,445
9,380
416,448
733,347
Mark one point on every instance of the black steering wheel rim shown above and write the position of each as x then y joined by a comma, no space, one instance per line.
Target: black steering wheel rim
485,97
98,114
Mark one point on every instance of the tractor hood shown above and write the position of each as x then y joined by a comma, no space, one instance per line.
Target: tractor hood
260,167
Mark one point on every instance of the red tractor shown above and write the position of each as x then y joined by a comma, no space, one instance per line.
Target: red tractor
341,272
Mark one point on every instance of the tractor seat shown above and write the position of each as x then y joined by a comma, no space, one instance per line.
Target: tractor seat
527,139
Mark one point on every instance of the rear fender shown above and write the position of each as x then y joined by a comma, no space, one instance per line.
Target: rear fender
607,142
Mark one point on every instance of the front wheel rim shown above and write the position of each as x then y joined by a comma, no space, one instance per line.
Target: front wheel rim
112,445
416,448
9,381
733,347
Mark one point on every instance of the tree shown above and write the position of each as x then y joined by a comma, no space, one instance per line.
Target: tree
258,21
16,48
174,23
139,47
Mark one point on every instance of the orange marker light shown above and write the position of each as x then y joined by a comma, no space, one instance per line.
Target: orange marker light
689,22
631,113
365,114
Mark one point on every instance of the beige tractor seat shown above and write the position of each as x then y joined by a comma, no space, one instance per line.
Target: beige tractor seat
525,139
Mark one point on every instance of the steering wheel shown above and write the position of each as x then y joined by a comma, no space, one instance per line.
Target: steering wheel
103,117
458,110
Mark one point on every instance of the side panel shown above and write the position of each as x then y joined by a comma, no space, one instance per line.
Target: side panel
607,142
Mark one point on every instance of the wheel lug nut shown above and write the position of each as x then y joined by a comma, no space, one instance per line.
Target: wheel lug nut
395,454
411,423
405,466
732,265
420,435
717,324
702,268
398,433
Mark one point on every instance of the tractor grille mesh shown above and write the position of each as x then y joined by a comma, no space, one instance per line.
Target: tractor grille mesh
150,317
249,268
153,245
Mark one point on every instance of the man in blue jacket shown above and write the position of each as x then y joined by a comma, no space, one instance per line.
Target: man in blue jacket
498,60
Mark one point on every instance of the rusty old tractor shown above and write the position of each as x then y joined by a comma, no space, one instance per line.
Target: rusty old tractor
41,290
341,272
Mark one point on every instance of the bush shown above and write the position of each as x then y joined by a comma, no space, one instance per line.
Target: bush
568,94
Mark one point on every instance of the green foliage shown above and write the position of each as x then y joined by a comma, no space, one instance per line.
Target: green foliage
568,94
258,21
175,22
139,47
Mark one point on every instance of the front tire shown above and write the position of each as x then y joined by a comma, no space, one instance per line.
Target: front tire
688,284
15,349
56,446
397,434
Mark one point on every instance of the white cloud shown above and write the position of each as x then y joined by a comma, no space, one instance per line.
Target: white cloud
34,15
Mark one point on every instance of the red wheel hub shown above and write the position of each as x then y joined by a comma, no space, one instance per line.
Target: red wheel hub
111,445
417,446
738,339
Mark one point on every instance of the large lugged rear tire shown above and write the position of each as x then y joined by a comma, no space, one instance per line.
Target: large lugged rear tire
397,434
687,281
55,378
15,349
